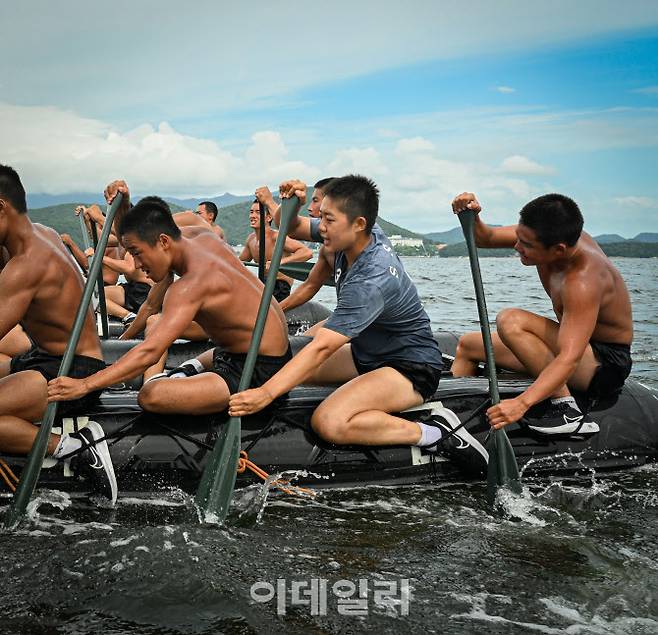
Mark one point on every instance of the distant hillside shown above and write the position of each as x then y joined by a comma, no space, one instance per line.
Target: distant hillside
234,220
609,238
221,201
646,237
63,219
450,237
627,249
632,249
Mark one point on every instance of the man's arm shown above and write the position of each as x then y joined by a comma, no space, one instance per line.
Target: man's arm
300,226
150,306
581,303
321,270
295,372
178,312
245,254
296,251
76,252
485,236
126,265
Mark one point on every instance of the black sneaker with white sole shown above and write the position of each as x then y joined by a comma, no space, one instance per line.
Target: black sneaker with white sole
561,418
453,439
94,461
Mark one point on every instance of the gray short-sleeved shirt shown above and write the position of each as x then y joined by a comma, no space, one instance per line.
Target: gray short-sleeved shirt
379,308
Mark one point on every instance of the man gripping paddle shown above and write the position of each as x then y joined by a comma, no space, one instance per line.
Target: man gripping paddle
211,278
587,348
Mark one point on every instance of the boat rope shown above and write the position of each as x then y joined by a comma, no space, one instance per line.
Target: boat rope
245,464
8,476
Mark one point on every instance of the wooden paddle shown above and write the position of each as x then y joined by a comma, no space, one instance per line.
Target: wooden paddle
502,470
218,480
298,271
32,469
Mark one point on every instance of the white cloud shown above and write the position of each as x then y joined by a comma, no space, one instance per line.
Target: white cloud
647,90
643,202
210,57
518,164
358,161
505,89
83,154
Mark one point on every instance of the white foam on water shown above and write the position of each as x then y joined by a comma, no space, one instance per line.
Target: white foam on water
597,624
151,502
124,541
478,612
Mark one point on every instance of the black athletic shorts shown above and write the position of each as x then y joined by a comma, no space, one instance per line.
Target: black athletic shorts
48,365
423,377
229,367
616,363
135,294
281,290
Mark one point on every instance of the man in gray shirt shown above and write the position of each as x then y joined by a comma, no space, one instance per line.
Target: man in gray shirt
378,343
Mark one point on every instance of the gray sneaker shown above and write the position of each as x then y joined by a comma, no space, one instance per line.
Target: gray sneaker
94,462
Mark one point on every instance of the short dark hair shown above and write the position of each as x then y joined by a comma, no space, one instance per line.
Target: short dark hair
212,208
554,218
356,196
12,189
148,219
321,184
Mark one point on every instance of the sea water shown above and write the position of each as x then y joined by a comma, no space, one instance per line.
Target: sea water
569,556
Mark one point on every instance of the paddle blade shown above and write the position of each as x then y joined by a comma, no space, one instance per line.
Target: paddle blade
215,490
502,470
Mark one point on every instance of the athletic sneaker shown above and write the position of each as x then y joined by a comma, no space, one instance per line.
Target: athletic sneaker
94,461
561,418
186,370
128,320
450,441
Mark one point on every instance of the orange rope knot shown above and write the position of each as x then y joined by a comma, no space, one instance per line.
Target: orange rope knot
8,476
244,464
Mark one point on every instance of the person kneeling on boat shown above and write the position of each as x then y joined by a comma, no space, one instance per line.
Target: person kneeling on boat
41,287
378,342
587,348
160,248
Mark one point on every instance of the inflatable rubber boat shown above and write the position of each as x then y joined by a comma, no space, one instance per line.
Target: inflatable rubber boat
154,451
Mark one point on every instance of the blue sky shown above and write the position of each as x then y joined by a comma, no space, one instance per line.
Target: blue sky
508,99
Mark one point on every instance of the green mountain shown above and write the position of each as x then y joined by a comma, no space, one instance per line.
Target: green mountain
449,237
646,237
627,249
602,239
62,218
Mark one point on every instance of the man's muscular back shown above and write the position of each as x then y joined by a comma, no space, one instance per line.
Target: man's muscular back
592,267
46,270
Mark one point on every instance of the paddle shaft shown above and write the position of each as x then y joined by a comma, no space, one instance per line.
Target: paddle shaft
102,305
467,220
32,469
261,243
502,470
218,479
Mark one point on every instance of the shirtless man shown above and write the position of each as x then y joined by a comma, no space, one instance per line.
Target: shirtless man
41,288
587,348
208,211
323,268
160,248
293,250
